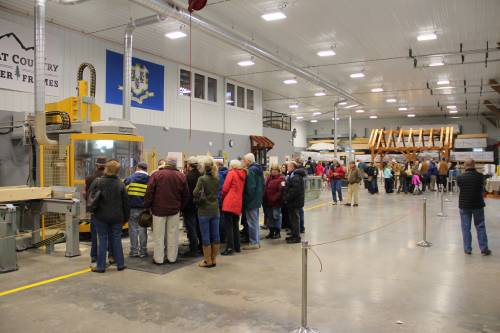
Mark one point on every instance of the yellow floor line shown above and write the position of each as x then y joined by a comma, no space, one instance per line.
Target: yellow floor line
41,283
62,277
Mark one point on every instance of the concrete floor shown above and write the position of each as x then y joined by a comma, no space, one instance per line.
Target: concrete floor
368,283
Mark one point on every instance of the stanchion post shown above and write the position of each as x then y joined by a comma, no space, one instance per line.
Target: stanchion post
303,321
424,242
442,213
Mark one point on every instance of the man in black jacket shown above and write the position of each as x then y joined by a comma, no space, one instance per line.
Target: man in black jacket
293,198
471,204
189,212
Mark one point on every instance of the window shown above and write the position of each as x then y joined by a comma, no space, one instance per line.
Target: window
241,97
276,120
250,99
185,83
199,86
212,90
230,94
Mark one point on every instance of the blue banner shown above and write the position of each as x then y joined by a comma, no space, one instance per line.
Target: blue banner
148,80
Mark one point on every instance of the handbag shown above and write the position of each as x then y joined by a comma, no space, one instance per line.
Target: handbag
145,219
201,196
94,198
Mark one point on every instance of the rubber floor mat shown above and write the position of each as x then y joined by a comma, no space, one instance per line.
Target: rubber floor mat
146,265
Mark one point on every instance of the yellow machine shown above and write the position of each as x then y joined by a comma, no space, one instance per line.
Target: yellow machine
75,123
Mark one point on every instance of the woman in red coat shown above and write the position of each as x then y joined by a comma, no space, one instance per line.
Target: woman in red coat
273,202
232,203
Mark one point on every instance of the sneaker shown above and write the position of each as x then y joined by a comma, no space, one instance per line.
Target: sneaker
347,205
227,252
95,270
252,247
468,252
122,268
157,263
294,240
133,255
143,255
334,203
486,253
355,205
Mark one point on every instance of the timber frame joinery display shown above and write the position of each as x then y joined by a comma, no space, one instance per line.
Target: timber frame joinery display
411,143
260,145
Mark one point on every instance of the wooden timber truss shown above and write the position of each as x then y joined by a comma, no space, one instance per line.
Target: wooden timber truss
411,143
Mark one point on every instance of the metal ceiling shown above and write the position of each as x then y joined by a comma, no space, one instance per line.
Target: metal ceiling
369,36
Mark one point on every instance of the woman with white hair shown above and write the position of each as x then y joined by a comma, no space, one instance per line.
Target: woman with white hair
205,196
232,204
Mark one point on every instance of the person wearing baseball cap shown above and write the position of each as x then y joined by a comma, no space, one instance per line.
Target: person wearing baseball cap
136,186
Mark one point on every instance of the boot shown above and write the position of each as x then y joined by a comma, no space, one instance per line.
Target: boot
207,254
271,233
215,252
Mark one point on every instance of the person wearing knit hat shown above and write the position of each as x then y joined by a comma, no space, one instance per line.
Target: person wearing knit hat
167,194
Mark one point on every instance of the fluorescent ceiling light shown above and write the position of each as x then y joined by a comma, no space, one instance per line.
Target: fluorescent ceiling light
403,109
246,63
316,113
451,107
343,103
411,116
376,90
357,75
443,88
453,111
327,53
274,16
337,118
360,111
455,117
293,106
290,81
436,64
351,106
373,117
175,35
314,121
299,117
319,94
426,36
391,100
443,82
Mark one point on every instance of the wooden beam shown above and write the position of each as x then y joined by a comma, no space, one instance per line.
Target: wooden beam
16,193
420,138
441,135
390,138
379,138
411,138
400,137
431,136
371,136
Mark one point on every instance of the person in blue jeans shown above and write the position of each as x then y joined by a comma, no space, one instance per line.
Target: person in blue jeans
335,175
252,199
111,210
471,204
205,196
136,185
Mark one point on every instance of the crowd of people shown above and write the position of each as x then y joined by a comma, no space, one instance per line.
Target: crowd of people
211,199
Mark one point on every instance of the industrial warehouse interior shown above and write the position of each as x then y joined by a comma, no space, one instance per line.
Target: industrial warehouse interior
253,166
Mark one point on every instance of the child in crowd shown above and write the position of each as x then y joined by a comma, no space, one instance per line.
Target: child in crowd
417,183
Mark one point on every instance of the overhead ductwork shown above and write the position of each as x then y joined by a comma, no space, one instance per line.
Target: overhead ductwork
170,9
127,58
40,121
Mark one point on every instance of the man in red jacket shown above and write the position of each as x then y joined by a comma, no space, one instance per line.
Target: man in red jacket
335,176
167,194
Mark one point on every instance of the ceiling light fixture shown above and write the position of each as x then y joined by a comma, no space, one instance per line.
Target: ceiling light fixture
436,64
360,111
293,106
337,118
299,117
274,16
357,75
175,35
411,116
426,37
319,94
343,103
316,113
290,81
453,111
445,88
403,109
391,100
314,121
351,106
246,63
455,117
443,82
373,117
377,90
451,107
326,53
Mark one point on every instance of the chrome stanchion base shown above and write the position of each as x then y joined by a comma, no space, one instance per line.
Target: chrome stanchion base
442,214
304,330
424,244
